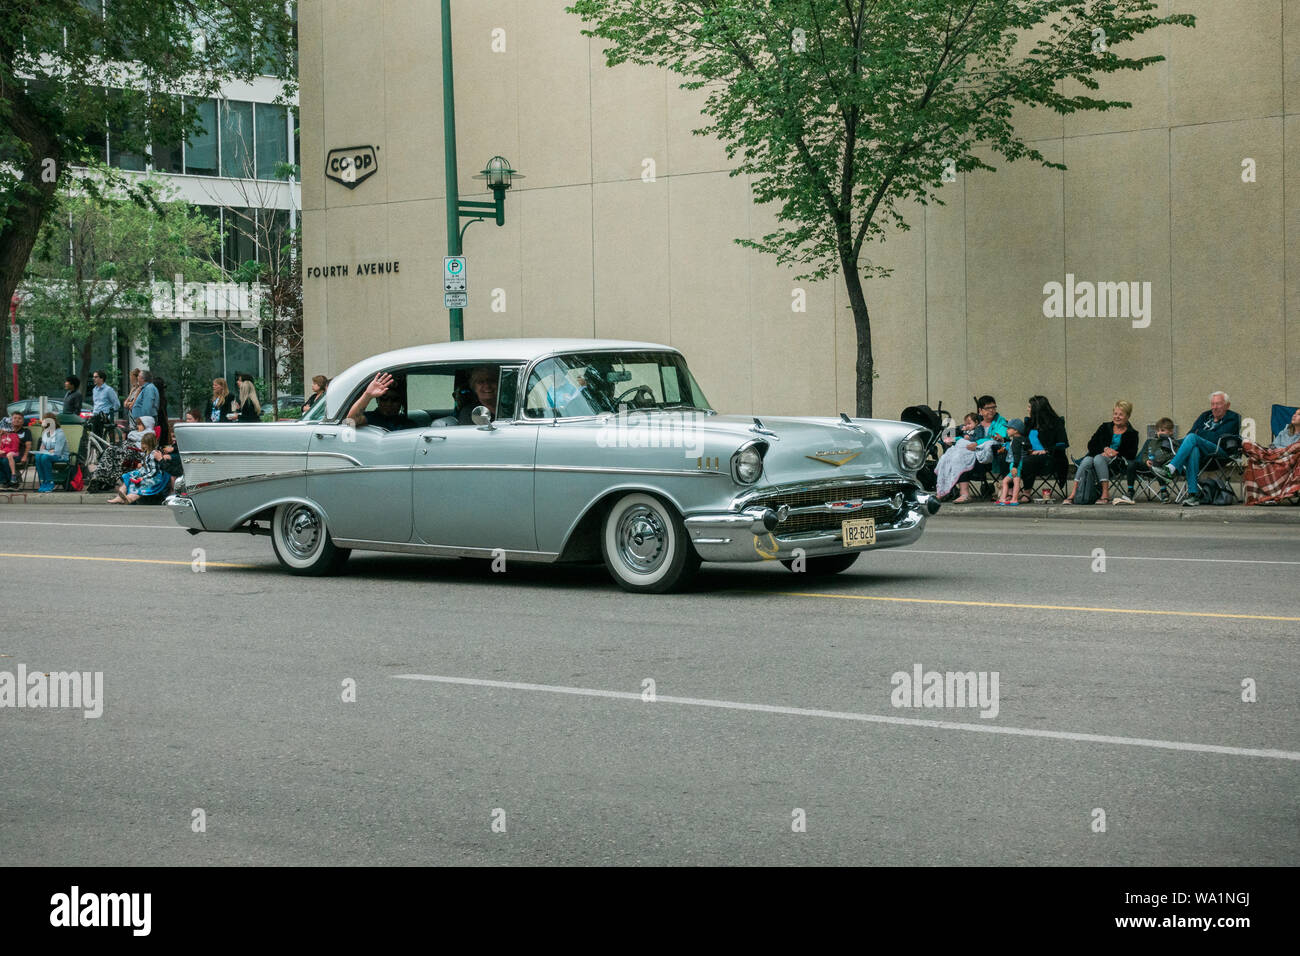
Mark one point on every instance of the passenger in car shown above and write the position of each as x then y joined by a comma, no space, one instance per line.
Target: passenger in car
483,382
390,414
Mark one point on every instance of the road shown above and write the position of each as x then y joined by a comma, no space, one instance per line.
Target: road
517,699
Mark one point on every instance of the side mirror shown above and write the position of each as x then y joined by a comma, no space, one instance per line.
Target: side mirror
481,417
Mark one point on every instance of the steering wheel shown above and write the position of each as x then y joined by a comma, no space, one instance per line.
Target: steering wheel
643,395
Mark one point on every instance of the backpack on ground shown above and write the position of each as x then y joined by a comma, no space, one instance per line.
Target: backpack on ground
1216,491
1086,488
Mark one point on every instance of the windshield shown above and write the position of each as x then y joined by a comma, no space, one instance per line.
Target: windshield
593,383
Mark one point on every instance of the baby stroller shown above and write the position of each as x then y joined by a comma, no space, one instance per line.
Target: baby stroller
936,421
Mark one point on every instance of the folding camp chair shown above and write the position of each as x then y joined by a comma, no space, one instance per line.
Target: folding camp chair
1057,481
73,427
1280,419
1155,489
1226,460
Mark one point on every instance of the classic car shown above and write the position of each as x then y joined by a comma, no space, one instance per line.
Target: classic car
595,451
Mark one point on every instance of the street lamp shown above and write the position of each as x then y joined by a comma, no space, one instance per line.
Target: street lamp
497,173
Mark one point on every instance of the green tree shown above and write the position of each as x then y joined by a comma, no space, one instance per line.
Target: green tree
69,69
847,111
92,270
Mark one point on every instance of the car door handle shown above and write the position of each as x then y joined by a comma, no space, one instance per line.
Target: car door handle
326,435
429,438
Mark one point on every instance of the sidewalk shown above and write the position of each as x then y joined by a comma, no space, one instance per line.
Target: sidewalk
1144,511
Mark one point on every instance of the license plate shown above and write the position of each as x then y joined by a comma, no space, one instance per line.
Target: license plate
859,532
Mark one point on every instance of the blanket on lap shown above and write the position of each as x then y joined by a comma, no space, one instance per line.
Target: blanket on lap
1272,474
958,460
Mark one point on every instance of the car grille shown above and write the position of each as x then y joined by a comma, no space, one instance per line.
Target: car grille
830,520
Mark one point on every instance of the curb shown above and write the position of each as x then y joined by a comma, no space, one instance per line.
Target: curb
53,498
1228,514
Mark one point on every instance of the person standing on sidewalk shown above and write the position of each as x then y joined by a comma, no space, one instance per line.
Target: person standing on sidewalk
72,395
104,403
146,400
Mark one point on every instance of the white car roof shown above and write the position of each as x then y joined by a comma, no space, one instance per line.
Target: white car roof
474,350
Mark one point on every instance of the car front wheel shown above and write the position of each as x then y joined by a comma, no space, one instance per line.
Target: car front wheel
303,543
645,546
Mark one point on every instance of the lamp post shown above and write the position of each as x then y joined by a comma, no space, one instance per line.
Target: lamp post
497,173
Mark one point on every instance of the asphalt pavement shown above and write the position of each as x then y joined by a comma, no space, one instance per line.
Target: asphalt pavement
507,717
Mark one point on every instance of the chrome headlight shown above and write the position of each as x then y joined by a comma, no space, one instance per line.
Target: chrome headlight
747,462
911,453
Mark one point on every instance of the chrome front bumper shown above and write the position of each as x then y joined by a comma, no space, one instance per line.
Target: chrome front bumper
182,509
742,537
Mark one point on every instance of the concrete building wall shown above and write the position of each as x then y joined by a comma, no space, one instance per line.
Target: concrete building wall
624,224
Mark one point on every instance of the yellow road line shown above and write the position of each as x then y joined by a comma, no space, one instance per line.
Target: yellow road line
1037,607
81,557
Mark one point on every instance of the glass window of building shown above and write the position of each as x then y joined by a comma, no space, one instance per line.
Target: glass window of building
236,139
240,243
125,135
272,140
207,353
165,113
201,147
276,236
242,354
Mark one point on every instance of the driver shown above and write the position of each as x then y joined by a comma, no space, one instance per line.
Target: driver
387,393
483,383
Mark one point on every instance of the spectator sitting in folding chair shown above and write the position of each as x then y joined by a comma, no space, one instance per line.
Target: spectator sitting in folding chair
1045,459
987,447
1158,449
1204,439
1112,446
1273,474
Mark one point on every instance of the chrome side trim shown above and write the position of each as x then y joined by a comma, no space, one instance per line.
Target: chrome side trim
440,550
309,454
251,479
603,470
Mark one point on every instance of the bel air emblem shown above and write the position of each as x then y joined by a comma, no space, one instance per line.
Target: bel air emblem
840,456
851,505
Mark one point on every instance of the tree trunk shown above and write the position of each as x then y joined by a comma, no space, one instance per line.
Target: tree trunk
32,200
866,366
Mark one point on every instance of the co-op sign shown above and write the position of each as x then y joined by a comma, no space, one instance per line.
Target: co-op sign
351,165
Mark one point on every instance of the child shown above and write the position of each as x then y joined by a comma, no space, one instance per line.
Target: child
1015,452
148,479
10,445
970,430
1156,451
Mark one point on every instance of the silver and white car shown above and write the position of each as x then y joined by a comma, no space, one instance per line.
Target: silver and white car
595,450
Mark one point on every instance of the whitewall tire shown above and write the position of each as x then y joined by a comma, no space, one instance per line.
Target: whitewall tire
302,542
645,545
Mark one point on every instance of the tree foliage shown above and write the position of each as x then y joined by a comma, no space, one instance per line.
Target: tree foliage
847,111
92,270
67,70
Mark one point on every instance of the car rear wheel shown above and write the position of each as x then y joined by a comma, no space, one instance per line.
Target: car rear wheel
827,565
302,542
645,546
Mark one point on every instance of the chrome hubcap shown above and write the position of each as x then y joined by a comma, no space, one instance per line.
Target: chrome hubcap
642,539
302,531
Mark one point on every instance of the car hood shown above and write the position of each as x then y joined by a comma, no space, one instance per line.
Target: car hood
803,449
